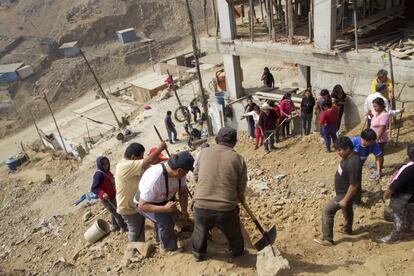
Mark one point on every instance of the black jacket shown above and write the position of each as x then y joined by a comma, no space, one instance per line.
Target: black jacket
307,104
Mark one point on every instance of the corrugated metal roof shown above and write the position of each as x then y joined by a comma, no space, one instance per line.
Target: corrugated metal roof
125,30
7,68
68,45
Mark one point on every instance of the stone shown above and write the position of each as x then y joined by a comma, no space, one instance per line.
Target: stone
269,265
259,172
280,177
87,215
324,191
145,249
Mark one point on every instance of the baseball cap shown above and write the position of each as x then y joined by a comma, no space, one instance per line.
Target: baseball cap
380,86
160,156
183,160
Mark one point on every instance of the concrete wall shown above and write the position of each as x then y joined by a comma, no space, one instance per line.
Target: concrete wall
325,22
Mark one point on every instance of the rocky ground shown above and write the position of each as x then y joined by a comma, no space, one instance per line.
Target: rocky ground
287,188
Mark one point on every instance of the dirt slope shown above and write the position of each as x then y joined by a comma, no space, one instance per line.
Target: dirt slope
298,181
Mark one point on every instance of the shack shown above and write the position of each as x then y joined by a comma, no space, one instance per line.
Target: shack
8,72
147,87
70,49
126,35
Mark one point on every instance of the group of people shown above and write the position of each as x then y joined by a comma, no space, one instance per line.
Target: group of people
267,122
146,188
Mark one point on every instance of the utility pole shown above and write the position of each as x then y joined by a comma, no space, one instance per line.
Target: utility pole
37,129
54,120
196,53
150,54
100,87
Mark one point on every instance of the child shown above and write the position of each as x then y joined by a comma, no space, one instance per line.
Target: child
286,108
257,131
328,120
104,187
170,126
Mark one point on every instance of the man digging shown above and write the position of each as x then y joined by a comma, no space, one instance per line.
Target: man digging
157,201
221,176
347,184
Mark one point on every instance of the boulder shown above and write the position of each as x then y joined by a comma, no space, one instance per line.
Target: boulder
269,265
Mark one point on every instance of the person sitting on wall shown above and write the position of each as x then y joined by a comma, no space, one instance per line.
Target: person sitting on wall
382,77
267,78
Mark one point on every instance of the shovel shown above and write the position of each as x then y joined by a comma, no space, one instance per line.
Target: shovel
268,237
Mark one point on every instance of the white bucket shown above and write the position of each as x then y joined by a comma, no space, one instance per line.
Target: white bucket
97,231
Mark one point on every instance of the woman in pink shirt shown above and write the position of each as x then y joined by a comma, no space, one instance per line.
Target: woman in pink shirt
379,124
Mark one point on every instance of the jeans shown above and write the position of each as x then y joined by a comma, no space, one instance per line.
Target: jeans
328,133
164,229
306,123
259,136
136,227
172,132
403,221
227,221
117,220
268,143
250,127
328,215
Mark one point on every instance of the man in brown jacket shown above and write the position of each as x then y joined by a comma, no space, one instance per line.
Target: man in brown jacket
221,177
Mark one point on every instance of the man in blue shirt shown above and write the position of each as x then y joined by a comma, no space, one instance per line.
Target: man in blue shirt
366,144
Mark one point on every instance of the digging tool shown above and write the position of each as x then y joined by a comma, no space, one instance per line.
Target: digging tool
268,237
284,120
169,155
399,125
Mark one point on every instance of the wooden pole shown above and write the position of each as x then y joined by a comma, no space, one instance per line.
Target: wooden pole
100,87
261,10
286,17
392,79
205,16
399,125
37,129
356,27
151,59
57,127
291,18
251,21
282,21
273,20
196,57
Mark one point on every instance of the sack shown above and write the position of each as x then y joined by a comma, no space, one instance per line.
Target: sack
399,201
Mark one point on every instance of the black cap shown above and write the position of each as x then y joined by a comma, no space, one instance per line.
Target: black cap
380,87
227,135
183,160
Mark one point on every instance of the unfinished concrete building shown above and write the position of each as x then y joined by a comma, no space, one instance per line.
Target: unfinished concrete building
331,41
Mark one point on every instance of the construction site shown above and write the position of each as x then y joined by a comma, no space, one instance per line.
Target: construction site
86,79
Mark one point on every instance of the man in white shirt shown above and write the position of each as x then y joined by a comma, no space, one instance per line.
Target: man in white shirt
157,201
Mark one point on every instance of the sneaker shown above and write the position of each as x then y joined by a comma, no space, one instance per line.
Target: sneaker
323,242
267,151
390,240
198,257
256,147
124,230
273,147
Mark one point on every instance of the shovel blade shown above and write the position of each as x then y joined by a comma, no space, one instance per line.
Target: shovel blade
268,238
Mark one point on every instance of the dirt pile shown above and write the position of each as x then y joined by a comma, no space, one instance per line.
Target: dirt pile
287,188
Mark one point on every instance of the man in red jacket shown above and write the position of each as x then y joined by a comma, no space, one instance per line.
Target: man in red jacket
104,187
328,121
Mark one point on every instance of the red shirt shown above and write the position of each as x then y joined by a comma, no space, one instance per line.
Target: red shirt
106,186
329,117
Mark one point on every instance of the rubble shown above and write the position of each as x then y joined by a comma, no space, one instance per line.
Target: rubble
269,265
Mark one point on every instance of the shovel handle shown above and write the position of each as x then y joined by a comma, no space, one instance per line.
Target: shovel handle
159,136
256,222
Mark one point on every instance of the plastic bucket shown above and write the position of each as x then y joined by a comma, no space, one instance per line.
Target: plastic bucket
97,231
219,96
12,163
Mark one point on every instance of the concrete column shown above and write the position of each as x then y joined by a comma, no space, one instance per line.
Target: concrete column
231,62
233,76
227,22
303,76
324,15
